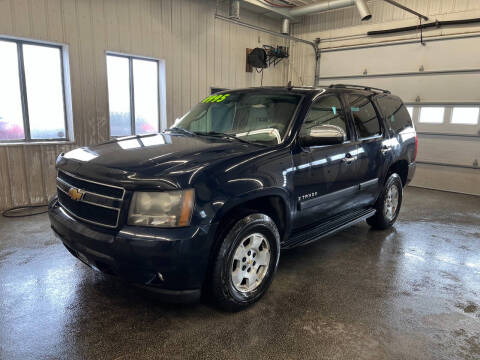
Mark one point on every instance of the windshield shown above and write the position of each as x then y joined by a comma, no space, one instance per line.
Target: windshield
249,116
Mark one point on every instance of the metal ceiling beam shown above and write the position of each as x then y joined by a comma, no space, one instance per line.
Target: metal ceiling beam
320,6
292,13
285,13
403,7
271,32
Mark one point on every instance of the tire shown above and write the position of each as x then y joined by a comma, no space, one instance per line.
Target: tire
253,238
387,212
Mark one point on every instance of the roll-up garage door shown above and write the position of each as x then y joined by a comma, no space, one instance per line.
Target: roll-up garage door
440,83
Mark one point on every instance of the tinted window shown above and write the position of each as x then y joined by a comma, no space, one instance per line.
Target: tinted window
396,114
325,111
364,116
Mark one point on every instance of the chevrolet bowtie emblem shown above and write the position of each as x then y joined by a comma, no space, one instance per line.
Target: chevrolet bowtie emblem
75,194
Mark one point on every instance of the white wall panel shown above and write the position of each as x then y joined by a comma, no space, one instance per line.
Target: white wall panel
430,88
465,181
434,56
454,150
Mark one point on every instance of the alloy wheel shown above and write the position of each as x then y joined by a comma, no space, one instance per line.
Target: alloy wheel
391,202
250,262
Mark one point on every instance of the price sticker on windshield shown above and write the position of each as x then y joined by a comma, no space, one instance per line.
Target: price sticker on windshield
216,98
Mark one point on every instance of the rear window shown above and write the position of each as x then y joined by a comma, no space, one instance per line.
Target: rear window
364,116
396,114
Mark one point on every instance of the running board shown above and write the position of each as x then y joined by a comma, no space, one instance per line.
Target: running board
327,228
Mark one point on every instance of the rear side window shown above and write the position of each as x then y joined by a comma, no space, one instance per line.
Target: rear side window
364,116
396,114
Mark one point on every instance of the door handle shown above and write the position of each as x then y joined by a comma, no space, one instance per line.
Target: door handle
385,149
349,159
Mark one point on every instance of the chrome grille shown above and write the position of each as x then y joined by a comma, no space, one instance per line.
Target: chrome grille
90,201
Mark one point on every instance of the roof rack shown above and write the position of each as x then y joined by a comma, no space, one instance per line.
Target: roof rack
368,88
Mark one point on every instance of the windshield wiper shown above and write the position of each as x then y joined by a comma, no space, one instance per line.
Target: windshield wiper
185,131
225,135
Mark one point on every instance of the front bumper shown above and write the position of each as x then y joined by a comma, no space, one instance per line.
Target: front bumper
172,262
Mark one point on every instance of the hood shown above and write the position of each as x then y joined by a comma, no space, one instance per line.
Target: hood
152,159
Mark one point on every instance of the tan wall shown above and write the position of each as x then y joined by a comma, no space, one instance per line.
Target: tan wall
199,51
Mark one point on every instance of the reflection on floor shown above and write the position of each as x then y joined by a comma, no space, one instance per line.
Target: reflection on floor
412,292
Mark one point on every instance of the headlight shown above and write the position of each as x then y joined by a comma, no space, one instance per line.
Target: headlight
161,209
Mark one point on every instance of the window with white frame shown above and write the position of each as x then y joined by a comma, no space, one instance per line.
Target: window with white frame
432,114
410,111
465,115
133,95
32,92
447,116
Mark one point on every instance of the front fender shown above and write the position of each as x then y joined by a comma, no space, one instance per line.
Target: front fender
220,190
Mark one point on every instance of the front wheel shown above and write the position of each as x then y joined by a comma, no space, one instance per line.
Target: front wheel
388,204
246,262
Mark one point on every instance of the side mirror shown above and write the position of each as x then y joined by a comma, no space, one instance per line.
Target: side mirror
323,135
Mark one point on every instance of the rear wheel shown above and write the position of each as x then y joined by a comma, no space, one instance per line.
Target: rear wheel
246,262
388,204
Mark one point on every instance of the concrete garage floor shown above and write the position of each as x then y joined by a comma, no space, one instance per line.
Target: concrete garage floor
409,293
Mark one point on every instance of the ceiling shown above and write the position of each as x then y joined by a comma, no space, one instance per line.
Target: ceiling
261,7
301,2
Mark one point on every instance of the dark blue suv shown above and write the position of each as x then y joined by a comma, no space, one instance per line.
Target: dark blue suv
207,205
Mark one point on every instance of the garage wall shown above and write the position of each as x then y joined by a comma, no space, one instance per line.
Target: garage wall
444,71
199,52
